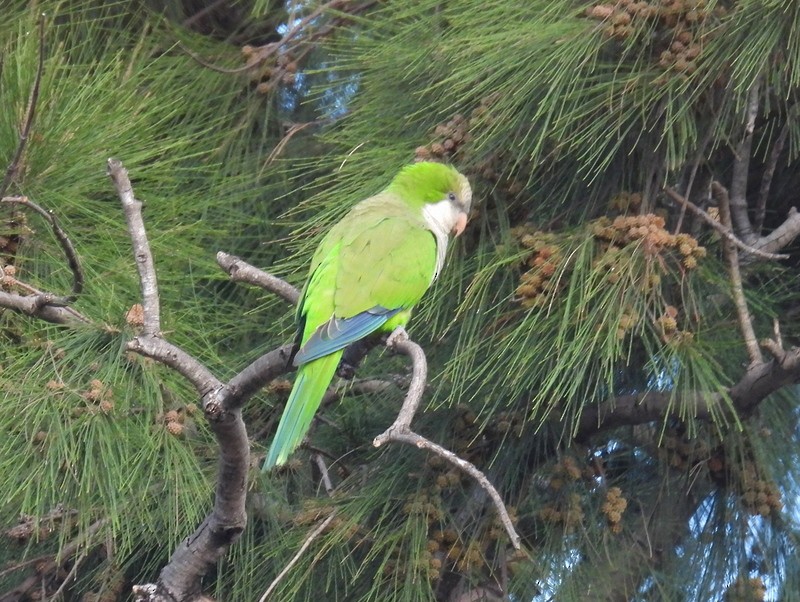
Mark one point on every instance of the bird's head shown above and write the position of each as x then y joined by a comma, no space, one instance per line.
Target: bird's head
440,191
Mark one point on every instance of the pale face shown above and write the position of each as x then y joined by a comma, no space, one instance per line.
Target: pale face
448,217
450,214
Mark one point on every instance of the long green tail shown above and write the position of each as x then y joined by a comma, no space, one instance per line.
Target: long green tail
312,380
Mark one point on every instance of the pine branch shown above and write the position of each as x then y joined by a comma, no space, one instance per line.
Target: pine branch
400,430
741,167
46,566
745,320
241,271
759,381
180,579
27,124
724,231
289,43
66,244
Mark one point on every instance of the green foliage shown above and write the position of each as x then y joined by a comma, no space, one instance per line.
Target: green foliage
576,283
87,426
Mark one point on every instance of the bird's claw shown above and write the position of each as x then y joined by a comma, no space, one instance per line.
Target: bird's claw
399,335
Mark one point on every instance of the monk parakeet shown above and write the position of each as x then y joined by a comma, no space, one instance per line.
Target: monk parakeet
366,275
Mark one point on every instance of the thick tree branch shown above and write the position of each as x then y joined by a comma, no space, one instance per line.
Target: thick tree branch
758,382
180,580
741,170
400,431
254,376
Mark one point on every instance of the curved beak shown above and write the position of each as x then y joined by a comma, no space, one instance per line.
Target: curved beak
460,224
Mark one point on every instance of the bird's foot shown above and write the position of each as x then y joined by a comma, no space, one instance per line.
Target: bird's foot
346,371
399,335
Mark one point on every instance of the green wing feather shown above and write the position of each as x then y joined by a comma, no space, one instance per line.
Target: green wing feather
381,255
309,388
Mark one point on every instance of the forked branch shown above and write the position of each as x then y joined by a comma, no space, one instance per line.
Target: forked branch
181,578
400,430
723,230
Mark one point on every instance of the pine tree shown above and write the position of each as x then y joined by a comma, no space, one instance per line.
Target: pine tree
612,342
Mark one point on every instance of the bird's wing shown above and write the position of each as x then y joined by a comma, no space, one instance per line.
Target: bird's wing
380,266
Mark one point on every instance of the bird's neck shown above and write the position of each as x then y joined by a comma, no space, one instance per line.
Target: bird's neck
440,218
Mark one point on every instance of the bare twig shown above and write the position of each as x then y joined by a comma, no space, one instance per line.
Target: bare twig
687,193
726,232
269,49
61,236
745,320
41,305
70,576
13,167
22,564
400,431
296,558
419,379
227,70
325,476
241,271
141,248
293,129
189,21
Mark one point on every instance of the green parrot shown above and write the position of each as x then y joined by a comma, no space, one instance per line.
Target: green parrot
367,274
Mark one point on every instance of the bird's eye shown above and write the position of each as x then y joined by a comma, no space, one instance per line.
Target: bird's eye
451,196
